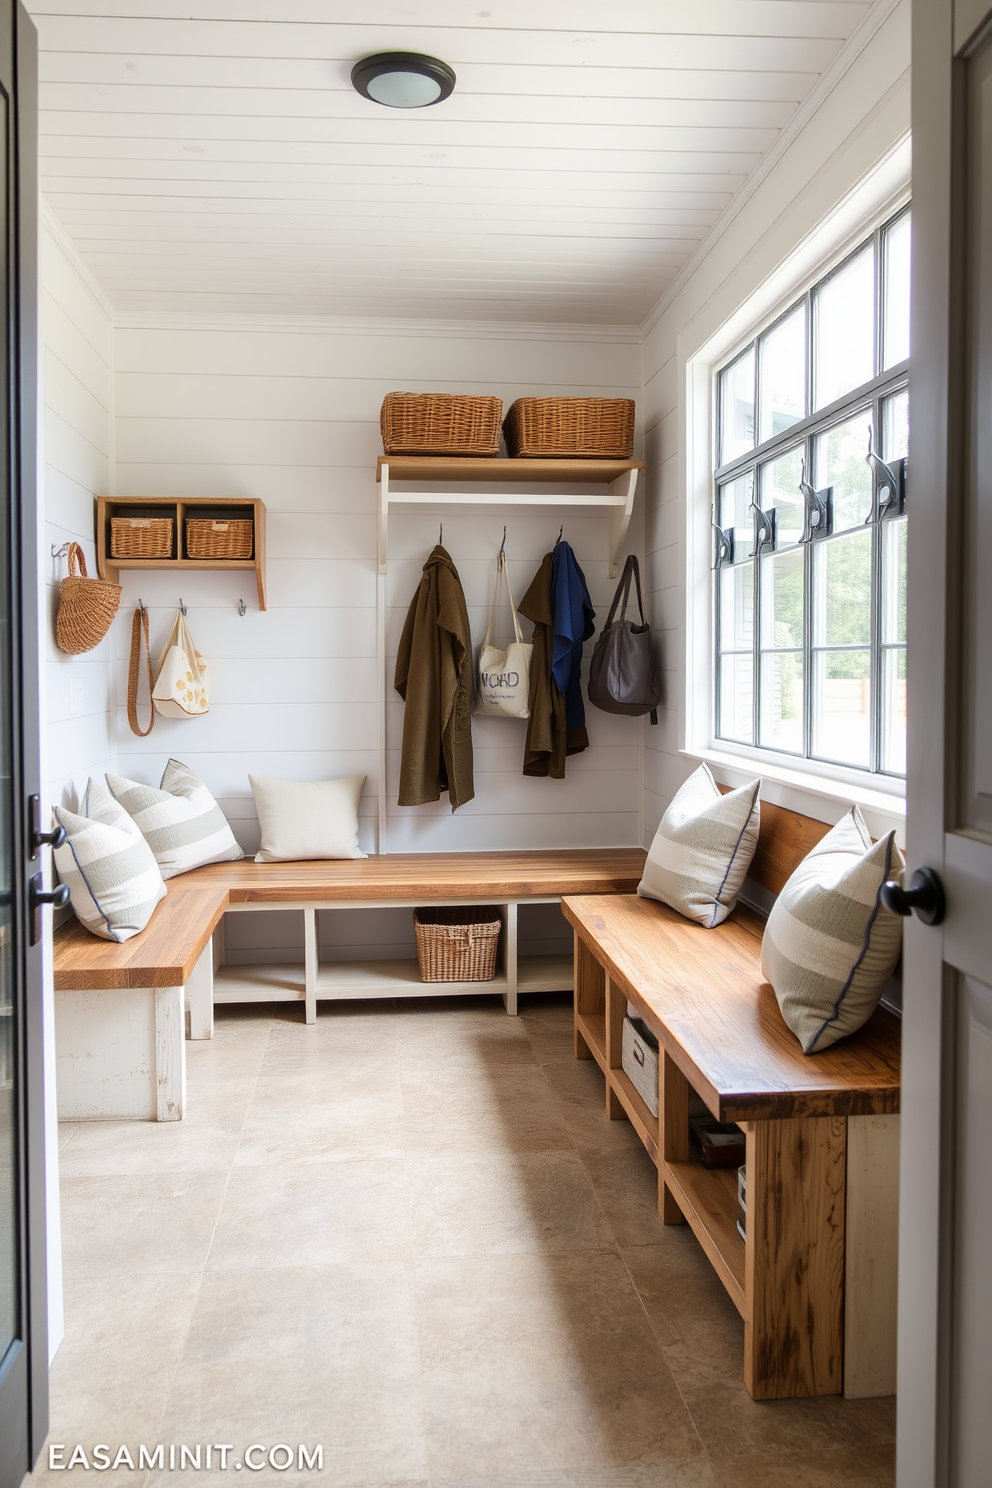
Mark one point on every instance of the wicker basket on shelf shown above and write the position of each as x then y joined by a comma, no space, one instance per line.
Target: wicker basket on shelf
457,945
141,537
221,537
570,428
439,424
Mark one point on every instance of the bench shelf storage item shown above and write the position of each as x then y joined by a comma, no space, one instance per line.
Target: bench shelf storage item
109,507
814,1280
604,484
107,1069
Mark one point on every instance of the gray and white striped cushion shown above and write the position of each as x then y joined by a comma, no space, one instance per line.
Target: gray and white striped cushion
181,822
830,944
703,848
114,881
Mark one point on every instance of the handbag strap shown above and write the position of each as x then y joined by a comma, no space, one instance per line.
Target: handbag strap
139,622
76,562
631,570
502,577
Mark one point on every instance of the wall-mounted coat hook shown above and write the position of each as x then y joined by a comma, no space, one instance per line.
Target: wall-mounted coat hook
62,551
502,547
440,534
141,606
182,609
561,529
242,607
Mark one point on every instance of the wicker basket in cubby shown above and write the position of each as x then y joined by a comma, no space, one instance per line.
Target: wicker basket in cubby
440,424
457,945
221,537
141,537
570,429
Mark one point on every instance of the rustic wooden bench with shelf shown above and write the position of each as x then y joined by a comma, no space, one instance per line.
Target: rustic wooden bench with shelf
120,1008
814,1280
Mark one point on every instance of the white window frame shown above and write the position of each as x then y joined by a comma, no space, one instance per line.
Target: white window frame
867,208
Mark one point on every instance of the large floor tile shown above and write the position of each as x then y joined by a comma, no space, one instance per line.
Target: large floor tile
361,1033
580,1092
510,1109
316,1214
67,1130
205,1141
543,1363
838,1467
315,1120
501,1204
314,1355
154,1224
689,1309
626,1185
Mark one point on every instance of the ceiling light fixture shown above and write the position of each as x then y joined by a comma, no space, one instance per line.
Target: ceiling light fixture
403,79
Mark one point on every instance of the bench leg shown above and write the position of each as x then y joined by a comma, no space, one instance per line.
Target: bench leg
312,962
871,1274
589,980
510,995
170,1053
794,1257
673,1105
200,996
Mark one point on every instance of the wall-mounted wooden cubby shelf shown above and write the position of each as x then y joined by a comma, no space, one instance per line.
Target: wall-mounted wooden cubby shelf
604,484
108,507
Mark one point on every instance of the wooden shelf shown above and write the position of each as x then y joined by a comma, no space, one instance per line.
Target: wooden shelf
179,508
641,1119
607,485
708,1199
592,1027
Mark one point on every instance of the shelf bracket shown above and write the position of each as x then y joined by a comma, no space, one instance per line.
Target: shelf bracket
619,516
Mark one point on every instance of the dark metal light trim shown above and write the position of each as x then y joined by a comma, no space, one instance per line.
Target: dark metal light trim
369,68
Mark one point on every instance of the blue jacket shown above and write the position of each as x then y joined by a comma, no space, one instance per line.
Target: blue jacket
573,624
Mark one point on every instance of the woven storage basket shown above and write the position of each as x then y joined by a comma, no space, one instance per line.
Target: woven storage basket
141,537
86,607
439,424
227,537
457,945
570,428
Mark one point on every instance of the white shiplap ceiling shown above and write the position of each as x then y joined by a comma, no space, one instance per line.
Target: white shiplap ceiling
211,155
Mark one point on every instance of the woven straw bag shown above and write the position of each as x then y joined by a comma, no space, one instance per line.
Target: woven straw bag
86,607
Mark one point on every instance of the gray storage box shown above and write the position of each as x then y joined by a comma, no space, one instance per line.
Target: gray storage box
640,1062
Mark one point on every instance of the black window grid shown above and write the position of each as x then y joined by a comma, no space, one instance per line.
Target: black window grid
871,397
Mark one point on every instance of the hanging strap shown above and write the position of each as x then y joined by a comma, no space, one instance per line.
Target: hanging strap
139,622
502,577
631,571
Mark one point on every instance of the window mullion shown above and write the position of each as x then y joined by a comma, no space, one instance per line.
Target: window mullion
758,618
808,599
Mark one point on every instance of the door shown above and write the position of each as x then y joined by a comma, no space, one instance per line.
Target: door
23,1342
945,1313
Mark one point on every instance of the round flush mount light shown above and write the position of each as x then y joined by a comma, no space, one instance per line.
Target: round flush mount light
403,79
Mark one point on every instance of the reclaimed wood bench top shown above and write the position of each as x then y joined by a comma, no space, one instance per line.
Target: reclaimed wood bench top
702,994
164,954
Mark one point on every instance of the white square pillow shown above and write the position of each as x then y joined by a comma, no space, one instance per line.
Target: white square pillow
307,819
830,944
113,879
181,821
703,848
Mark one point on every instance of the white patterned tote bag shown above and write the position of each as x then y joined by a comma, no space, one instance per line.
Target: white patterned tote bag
180,689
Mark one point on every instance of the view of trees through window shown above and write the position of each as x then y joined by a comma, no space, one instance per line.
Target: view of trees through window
809,503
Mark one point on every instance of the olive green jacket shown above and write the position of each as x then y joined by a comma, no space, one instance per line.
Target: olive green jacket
434,679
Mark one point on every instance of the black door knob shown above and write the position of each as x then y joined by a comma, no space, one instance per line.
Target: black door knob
38,897
38,838
924,897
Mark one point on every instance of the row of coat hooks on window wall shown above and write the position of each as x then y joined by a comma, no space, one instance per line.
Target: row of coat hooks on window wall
61,551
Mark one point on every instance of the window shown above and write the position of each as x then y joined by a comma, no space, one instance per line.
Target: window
810,520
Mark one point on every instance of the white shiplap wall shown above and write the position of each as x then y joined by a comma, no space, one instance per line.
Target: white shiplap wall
77,453
288,412
853,122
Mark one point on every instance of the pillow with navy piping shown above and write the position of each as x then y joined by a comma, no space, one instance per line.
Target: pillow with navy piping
703,848
830,945
113,879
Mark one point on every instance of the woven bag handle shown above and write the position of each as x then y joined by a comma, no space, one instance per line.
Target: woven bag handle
139,622
76,562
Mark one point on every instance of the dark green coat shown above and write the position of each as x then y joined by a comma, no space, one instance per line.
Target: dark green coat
434,679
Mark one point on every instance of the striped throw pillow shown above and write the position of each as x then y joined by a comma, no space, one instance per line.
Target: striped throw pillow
181,822
703,848
830,944
113,879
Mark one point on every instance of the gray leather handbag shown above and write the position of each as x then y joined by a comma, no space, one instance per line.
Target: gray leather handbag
623,677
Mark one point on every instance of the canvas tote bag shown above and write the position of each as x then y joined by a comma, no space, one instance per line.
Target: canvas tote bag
503,676
623,677
180,689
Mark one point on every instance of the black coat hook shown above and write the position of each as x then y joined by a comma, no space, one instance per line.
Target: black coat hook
440,534
502,546
182,609
561,529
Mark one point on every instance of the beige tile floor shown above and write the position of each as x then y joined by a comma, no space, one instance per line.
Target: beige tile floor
410,1233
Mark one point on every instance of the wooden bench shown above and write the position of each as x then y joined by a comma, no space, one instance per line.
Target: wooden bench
120,1008
815,1279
